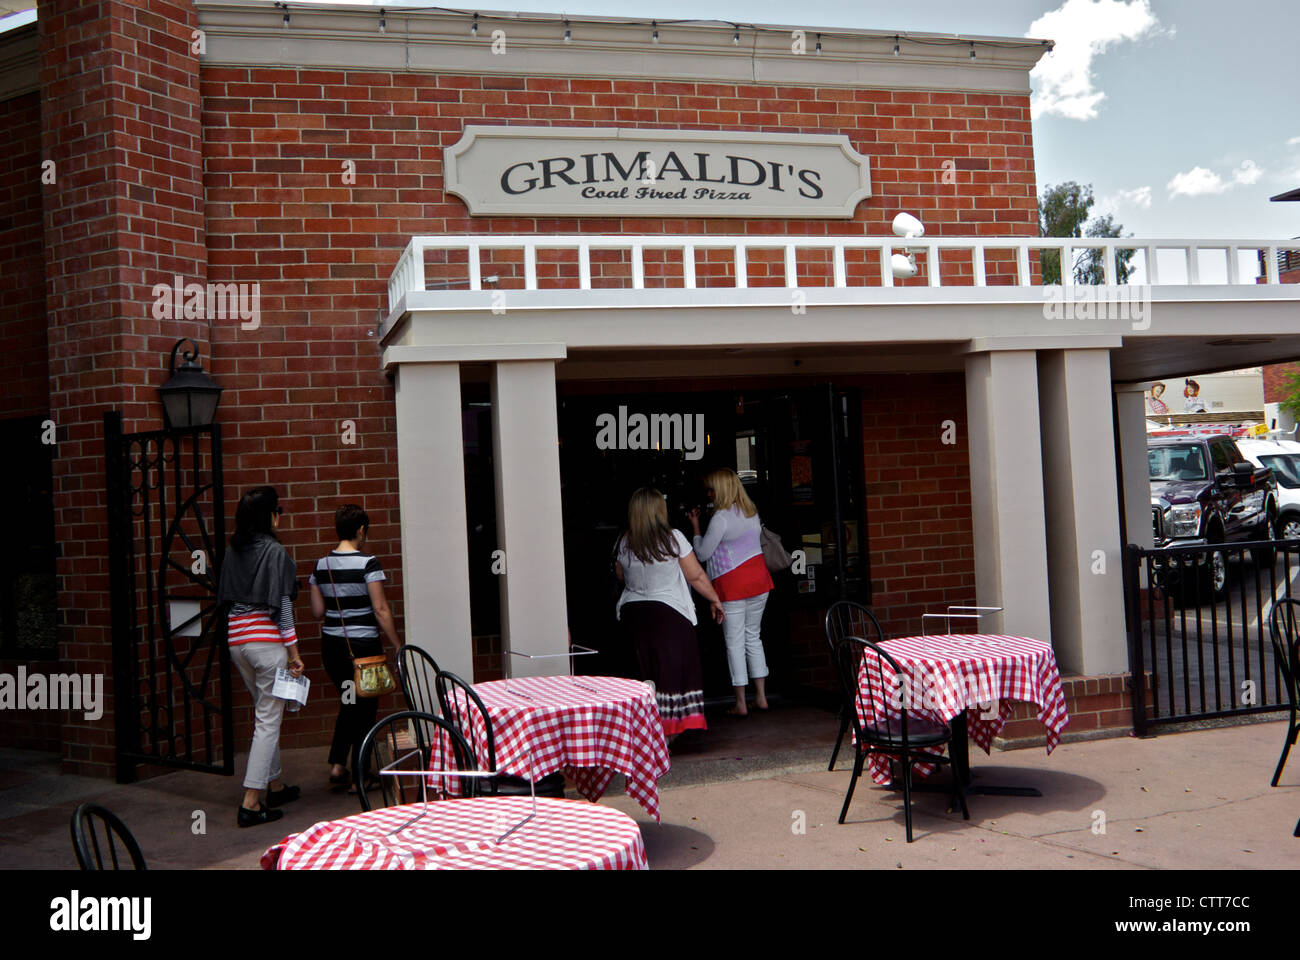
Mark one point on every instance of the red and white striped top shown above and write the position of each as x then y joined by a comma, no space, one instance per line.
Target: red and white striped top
257,627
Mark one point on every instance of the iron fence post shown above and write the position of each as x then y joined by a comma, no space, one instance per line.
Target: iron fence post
126,717
1133,620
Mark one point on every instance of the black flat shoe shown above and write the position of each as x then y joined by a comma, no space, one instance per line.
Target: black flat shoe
342,780
278,798
251,818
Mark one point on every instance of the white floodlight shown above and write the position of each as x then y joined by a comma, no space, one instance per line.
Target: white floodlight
906,225
903,267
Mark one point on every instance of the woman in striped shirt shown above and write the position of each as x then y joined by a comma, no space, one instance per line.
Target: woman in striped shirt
347,592
258,586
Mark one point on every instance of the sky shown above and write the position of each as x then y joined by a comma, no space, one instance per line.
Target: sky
1183,115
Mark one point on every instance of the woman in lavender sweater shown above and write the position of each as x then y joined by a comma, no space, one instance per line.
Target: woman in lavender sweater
733,557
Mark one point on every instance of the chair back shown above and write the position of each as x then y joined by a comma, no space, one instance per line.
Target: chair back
464,709
417,671
847,619
1284,625
413,740
862,671
96,831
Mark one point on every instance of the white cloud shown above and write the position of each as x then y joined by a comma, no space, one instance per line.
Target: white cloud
1082,29
1139,197
1196,182
1200,182
1247,173
1293,142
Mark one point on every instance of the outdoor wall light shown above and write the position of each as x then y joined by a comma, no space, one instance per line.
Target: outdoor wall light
903,265
189,397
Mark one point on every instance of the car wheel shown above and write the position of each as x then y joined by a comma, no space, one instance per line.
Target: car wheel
1211,579
1265,556
1290,527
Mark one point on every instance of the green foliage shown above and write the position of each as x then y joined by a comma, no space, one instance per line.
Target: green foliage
1291,402
1063,212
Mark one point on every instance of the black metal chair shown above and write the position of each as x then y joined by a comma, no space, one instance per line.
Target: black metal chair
1284,625
901,738
416,671
413,740
843,620
86,839
462,712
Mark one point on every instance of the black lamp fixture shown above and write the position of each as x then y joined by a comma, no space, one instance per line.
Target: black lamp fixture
189,397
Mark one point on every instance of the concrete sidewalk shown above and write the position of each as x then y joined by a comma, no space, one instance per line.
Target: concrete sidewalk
1187,800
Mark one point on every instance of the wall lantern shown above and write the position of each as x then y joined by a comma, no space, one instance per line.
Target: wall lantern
189,397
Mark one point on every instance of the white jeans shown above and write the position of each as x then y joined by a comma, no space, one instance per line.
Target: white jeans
740,630
257,663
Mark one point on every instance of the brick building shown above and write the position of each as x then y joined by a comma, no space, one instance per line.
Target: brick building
924,446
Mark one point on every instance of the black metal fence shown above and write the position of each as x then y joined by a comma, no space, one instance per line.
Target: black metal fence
1198,624
171,666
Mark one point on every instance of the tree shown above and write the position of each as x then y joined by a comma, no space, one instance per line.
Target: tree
1063,212
1291,402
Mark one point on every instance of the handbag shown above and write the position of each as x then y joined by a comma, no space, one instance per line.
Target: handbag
370,675
774,552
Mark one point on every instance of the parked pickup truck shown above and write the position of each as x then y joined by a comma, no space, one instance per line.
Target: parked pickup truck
1203,492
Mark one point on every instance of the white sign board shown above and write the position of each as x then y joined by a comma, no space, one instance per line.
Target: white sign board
604,172
181,611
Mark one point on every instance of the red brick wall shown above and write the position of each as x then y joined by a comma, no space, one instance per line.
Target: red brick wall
1277,381
24,365
120,120
279,214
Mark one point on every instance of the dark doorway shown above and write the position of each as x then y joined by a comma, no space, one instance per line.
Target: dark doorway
798,453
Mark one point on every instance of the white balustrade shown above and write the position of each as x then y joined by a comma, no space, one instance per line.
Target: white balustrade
409,274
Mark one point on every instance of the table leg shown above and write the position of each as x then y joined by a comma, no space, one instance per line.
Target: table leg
959,754
959,751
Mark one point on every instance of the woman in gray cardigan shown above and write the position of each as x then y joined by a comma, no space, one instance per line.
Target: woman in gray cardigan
258,586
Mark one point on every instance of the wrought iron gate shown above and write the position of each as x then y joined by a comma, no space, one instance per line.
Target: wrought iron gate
171,666
1199,628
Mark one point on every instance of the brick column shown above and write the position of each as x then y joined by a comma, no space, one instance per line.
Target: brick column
120,121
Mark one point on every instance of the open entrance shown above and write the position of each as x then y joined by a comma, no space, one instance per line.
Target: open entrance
798,453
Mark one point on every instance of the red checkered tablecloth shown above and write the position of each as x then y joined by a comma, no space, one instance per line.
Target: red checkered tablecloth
462,835
951,673
589,727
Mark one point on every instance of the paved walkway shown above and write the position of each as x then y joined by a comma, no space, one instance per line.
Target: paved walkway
1188,800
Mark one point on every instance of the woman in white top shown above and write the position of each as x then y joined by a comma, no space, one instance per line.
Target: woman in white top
655,563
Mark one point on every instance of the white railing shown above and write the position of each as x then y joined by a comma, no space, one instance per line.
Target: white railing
409,275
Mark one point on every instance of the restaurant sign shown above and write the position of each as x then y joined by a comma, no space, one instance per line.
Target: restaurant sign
605,171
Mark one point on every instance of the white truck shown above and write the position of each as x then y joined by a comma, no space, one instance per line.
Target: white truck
1283,458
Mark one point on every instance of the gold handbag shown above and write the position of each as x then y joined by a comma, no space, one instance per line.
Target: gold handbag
370,675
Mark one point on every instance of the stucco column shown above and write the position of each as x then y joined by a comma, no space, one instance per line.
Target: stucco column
1081,494
1007,492
431,496
1131,417
525,435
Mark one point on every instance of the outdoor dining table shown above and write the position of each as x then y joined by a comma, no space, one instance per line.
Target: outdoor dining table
968,682
588,727
468,834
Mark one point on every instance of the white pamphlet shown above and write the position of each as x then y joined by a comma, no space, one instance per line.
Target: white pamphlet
291,688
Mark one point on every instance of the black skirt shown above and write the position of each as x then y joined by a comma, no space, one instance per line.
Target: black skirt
668,654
